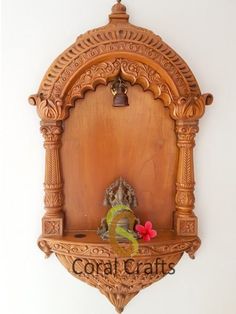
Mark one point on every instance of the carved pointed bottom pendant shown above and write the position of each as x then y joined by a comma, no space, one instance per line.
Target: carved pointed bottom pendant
119,300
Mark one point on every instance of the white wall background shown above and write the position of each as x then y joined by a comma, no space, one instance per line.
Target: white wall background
34,32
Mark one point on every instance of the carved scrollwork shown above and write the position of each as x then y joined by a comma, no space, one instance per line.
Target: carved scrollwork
186,134
123,280
110,40
105,251
132,71
80,250
126,281
43,245
194,246
51,133
183,108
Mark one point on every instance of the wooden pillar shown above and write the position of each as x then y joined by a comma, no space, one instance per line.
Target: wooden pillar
185,220
52,222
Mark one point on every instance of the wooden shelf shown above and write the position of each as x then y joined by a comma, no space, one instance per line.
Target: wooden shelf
120,286
165,241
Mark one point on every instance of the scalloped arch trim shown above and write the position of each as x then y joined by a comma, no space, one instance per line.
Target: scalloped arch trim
111,39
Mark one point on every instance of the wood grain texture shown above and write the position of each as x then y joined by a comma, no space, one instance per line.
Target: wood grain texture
101,143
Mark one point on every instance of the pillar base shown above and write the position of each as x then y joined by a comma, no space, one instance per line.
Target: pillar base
52,226
186,226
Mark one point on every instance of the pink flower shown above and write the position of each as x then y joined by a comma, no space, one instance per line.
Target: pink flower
146,232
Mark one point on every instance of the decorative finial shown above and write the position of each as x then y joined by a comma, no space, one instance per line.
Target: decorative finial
118,14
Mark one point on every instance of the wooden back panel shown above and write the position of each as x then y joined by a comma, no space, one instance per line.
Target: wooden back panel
101,143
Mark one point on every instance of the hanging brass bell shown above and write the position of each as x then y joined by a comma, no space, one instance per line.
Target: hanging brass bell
119,91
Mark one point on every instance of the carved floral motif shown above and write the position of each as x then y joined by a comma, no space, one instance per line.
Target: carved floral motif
51,133
187,226
48,109
186,134
53,199
52,227
182,108
132,71
191,108
185,198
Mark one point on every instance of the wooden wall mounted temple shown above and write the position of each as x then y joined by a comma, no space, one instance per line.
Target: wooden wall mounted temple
92,137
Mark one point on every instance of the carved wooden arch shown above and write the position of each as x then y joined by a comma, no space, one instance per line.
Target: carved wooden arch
148,77
116,39
142,58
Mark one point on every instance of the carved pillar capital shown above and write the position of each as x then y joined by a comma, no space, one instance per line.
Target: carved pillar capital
52,132
53,200
189,108
49,108
186,132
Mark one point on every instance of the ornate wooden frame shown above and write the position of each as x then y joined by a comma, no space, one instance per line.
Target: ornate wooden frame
140,57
